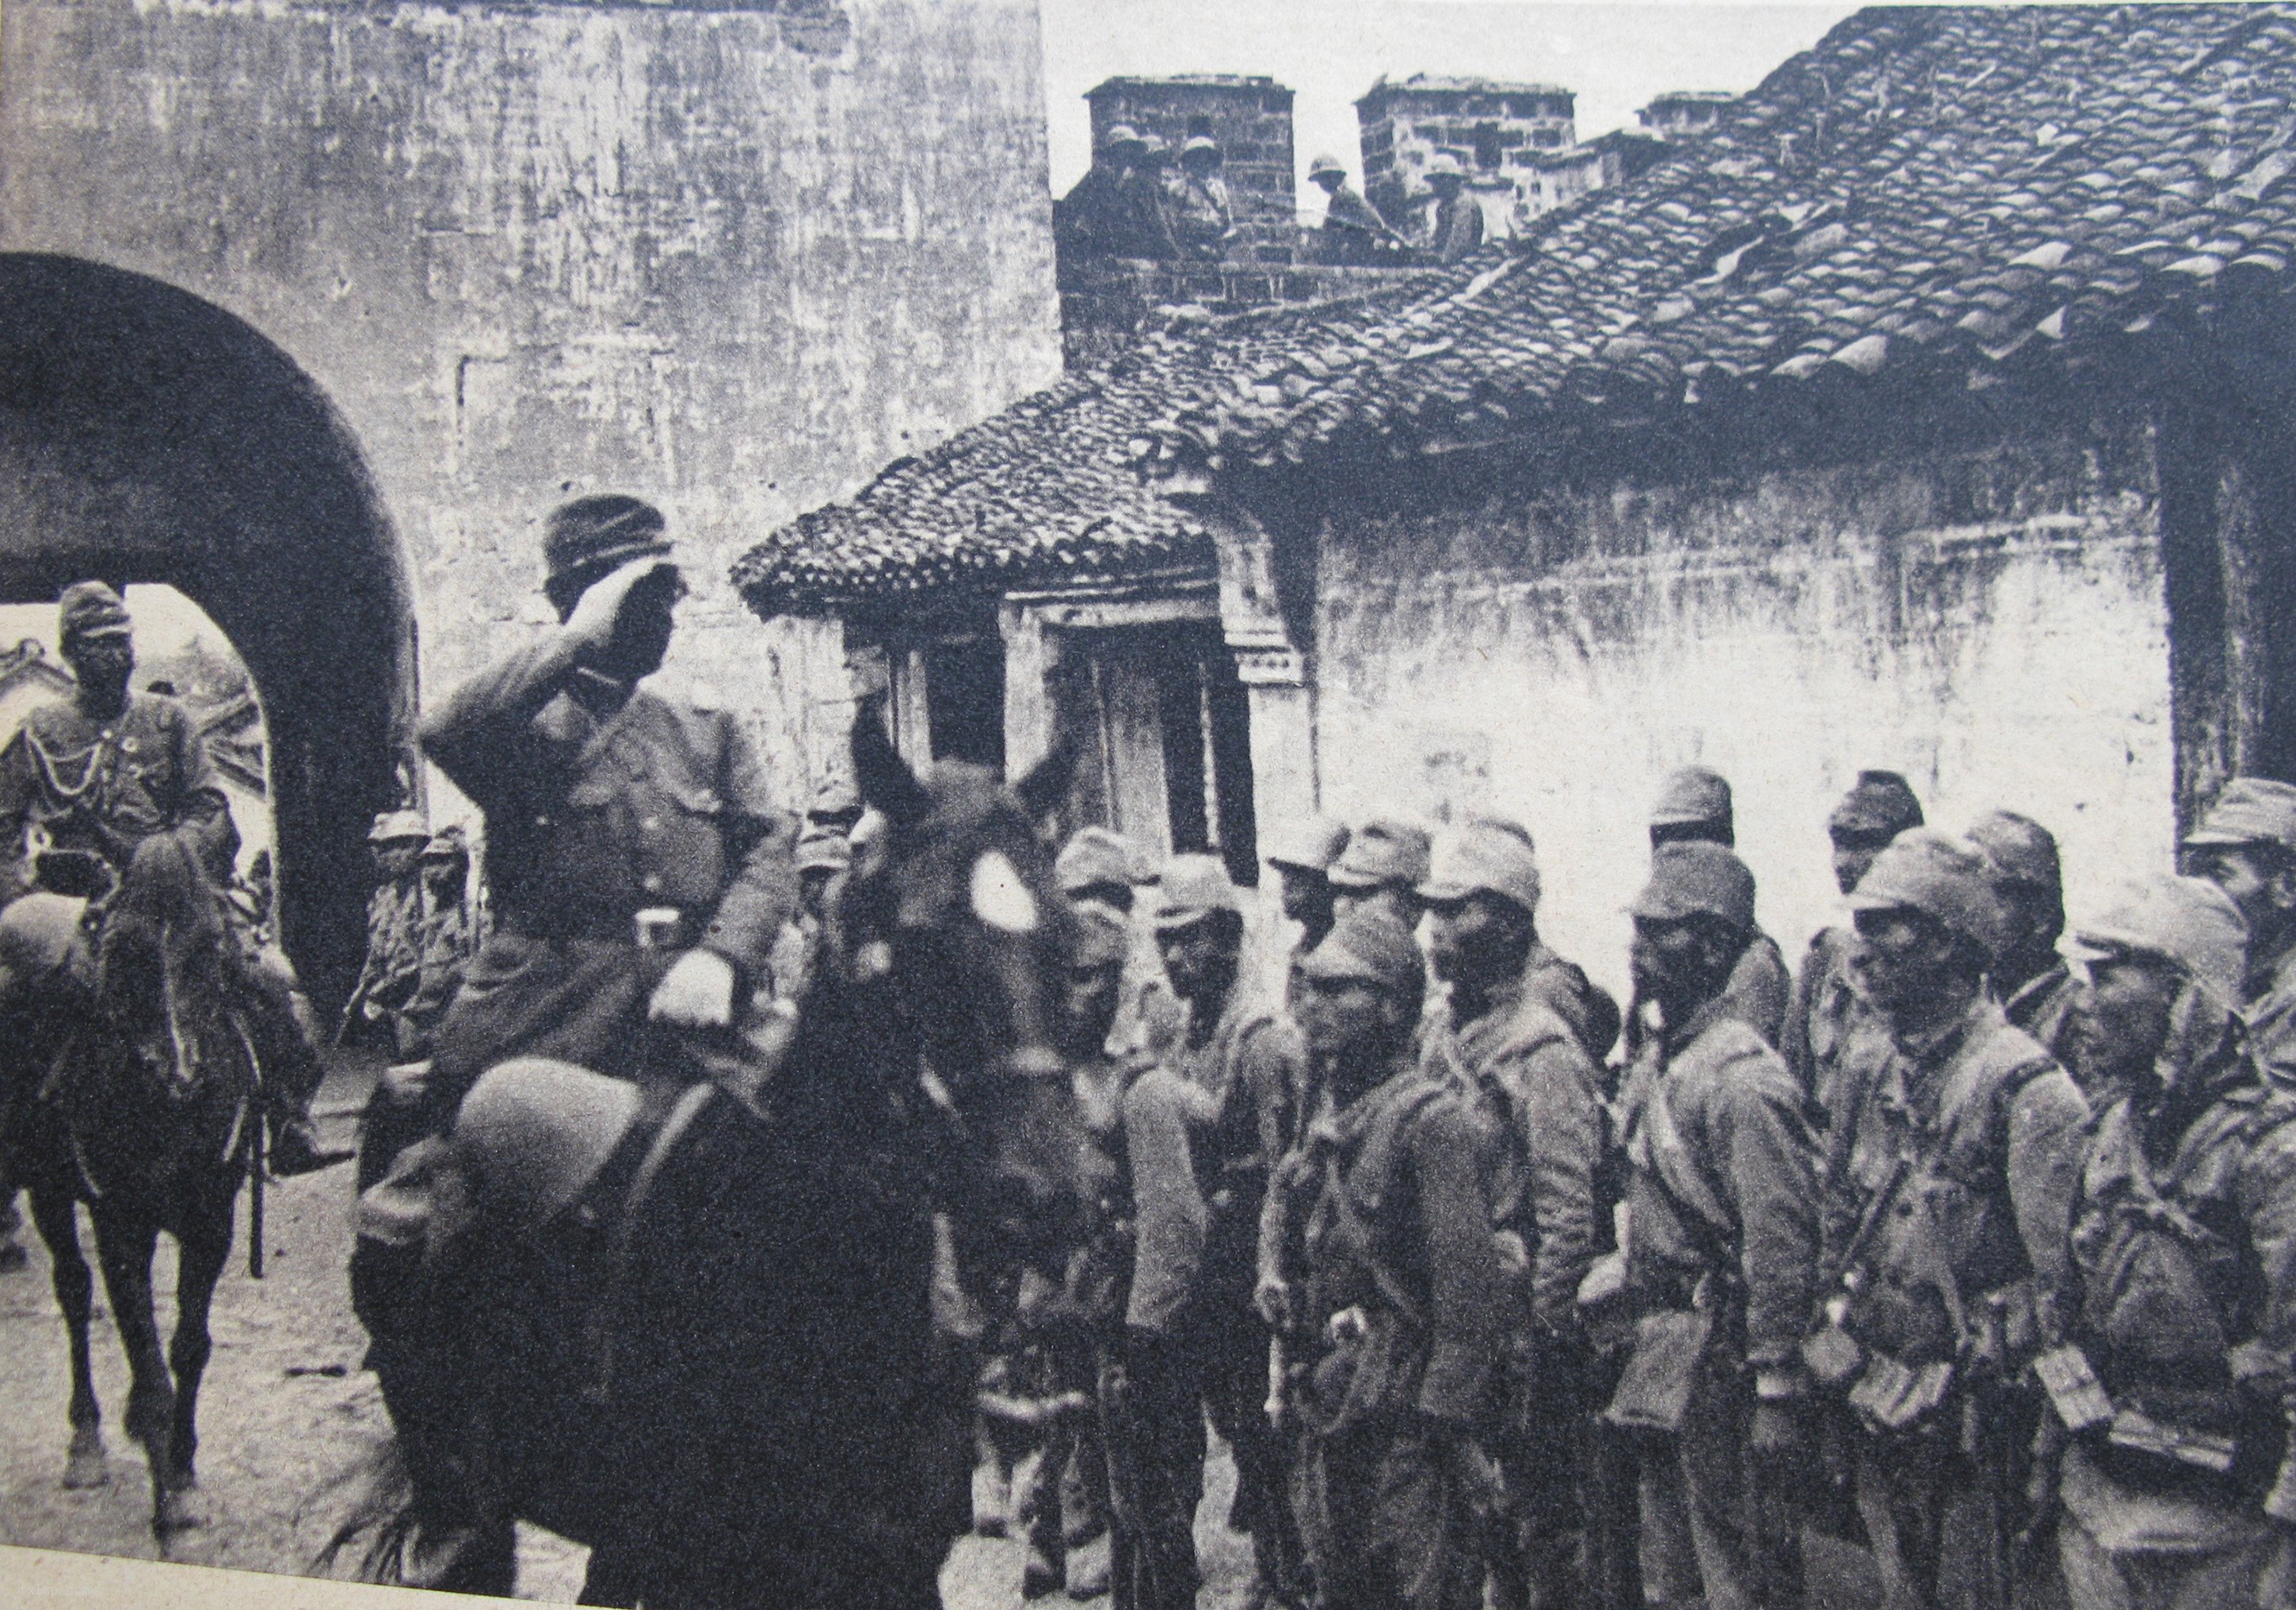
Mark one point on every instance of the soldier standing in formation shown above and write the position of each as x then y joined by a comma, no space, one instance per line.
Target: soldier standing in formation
1523,1072
1203,1130
393,970
1722,1200
1381,866
2178,1304
1303,855
1395,1282
2034,984
1826,1009
448,939
2246,845
1954,1144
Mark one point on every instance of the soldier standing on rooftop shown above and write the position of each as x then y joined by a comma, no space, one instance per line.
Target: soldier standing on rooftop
1455,228
1203,216
1351,233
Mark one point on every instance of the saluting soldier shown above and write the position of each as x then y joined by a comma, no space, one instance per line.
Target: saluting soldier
1827,1008
1538,1096
2033,983
1722,1252
640,871
2246,845
1951,1170
1395,1285
2178,1488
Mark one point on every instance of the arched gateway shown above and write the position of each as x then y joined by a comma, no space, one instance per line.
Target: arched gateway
147,435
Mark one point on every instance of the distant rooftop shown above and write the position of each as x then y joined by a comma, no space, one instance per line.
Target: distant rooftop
1256,83
1444,84
1693,97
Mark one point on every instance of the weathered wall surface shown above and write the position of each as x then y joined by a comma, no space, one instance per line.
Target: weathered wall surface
730,259
1989,622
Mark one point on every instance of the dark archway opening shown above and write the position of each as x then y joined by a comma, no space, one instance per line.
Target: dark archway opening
149,436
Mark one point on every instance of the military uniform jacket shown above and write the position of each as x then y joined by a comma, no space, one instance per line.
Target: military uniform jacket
104,786
1585,1006
1399,1232
1723,1191
2043,1008
1959,1151
1537,1099
393,942
1456,228
592,817
1203,1130
2271,1016
1203,218
2183,1276
1825,1013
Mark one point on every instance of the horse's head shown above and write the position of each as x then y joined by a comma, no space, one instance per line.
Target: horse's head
953,905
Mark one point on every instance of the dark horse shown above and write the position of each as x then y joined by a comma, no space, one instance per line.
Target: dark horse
756,1389
133,1081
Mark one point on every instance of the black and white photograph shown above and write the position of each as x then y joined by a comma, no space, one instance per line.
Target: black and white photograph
1150,804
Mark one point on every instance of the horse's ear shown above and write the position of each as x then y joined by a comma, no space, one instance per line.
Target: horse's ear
1045,784
884,779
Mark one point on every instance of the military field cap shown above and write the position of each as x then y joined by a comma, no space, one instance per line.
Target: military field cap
1308,844
1697,879
2018,849
1446,166
1103,937
1370,944
538,1131
1096,855
1326,164
2251,810
91,608
393,825
821,850
1879,803
593,537
1198,146
1483,856
1194,887
2190,920
448,844
1692,795
1945,878
1120,134
1384,850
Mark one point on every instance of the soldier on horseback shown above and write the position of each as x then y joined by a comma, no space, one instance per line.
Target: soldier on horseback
87,781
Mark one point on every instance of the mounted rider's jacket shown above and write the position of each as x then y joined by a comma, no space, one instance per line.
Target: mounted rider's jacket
102,787
1951,1168
600,803
2182,1290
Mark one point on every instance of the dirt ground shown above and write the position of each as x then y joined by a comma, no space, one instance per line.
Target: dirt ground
287,1418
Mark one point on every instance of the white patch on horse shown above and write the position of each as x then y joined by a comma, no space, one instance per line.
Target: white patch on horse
999,897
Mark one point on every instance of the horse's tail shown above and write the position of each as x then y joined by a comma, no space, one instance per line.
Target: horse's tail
373,1536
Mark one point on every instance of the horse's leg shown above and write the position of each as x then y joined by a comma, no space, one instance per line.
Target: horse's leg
125,1244
57,1216
201,1250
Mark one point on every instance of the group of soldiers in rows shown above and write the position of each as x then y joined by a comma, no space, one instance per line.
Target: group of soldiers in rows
1965,1244
1141,201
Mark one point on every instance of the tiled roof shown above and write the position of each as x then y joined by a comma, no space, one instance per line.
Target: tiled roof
1947,193
1046,490
1930,195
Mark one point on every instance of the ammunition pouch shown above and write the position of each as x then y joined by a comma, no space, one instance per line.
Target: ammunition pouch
1370,1372
2217,1443
1670,1350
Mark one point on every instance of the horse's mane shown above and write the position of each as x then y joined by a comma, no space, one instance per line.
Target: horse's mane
164,922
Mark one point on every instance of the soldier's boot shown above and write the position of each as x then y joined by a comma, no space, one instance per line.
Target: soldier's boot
295,1147
12,1255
